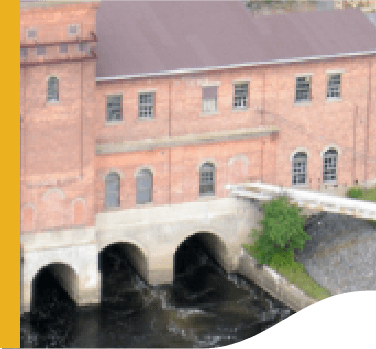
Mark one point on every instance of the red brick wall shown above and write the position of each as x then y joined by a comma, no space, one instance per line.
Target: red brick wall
185,163
314,126
57,138
62,180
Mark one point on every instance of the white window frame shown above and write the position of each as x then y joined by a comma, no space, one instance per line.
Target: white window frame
309,100
328,76
210,106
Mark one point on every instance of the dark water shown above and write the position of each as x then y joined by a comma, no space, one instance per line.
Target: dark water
205,307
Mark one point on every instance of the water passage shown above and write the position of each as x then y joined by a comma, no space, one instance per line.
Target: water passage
204,307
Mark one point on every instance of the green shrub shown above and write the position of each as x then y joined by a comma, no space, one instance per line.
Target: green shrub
282,232
355,193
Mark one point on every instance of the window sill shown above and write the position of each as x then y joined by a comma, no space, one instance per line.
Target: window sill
52,102
113,123
206,197
302,103
145,119
330,185
240,109
145,205
112,209
331,100
300,186
214,113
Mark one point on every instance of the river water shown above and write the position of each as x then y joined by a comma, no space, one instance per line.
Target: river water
204,307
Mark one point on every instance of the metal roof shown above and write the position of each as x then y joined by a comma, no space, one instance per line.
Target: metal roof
138,38
154,37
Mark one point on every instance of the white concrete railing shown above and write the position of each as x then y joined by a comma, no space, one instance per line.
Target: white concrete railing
307,199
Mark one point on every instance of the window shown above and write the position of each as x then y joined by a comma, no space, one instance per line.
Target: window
32,34
303,89
112,192
144,186
83,47
299,169
24,52
53,89
73,29
114,106
146,105
334,86
209,99
207,180
330,166
63,48
241,96
41,50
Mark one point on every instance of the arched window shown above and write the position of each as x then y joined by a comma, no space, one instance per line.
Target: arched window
112,190
144,186
207,180
299,169
330,166
53,89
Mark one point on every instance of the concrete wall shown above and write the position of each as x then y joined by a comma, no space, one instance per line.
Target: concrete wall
77,257
272,282
150,237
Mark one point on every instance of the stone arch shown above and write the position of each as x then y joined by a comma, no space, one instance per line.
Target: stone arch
135,253
52,190
300,150
212,242
78,211
113,170
28,217
145,167
208,160
66,275
331,146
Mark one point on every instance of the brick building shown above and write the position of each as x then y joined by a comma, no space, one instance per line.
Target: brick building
131,105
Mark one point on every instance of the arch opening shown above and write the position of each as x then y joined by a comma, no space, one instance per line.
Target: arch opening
200,265
53,302
124,273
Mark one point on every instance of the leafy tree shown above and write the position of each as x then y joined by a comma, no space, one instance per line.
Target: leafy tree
282,232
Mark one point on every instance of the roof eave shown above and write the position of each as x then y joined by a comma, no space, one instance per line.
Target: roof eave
195,70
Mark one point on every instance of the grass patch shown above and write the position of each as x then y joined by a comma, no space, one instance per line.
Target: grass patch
363,194
285,264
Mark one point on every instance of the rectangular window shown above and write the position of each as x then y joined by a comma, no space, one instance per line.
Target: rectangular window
83,47
24,52
53,89
146,105
63,48
114,108
334,86
303,89
41,50
32,34
209,99
73,29
241,96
